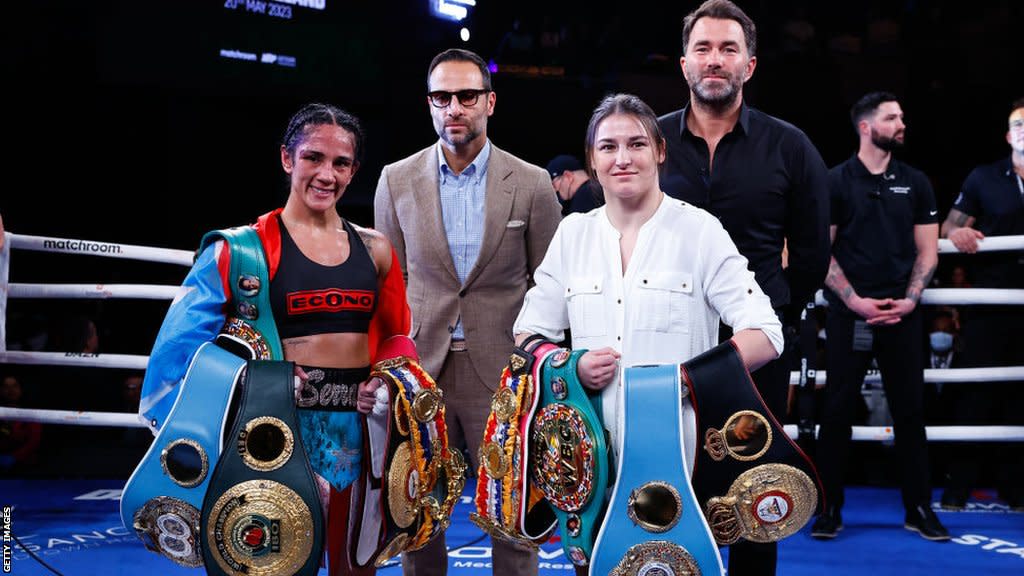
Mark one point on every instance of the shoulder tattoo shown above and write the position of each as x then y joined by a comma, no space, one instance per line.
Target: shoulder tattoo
370,242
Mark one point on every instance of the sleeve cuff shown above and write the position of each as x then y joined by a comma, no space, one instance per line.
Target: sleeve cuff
397,346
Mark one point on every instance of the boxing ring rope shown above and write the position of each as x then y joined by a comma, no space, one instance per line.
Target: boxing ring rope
107,249
934,433
119,419
136,291
185,258
939,375
966,296
131,361
990,244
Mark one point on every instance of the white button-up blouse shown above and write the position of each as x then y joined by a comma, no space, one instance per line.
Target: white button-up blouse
684,274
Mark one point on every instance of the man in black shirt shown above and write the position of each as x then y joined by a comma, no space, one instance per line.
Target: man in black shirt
761,177
577,191
991,203
884,251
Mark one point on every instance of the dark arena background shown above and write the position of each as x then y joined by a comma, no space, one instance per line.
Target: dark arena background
151,122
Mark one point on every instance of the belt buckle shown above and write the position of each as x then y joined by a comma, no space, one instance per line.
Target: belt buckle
457,346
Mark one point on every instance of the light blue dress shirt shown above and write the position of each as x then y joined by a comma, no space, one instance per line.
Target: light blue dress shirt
462,209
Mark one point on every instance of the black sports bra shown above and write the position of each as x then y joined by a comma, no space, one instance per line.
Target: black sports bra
308,298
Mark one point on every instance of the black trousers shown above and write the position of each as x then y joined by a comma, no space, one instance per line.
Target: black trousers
899,350
991,338
772,381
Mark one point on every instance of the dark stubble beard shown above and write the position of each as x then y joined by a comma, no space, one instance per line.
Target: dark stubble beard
460,140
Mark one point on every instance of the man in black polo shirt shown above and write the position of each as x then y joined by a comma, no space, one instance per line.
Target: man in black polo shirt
884,251
991,203
761,177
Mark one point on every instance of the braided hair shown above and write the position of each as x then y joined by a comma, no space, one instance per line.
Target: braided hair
316,114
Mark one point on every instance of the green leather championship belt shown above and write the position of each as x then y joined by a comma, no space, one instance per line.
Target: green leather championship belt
262,513
249,330
569,454
752,480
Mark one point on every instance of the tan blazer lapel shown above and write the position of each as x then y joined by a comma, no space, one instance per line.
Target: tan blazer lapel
498,205
426,188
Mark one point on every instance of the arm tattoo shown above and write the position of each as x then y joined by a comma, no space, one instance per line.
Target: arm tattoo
959,218
837,282
920,276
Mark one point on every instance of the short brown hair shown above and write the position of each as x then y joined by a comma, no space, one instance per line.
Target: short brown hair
722,10
461,55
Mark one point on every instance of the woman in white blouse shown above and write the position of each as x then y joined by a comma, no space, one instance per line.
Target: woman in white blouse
645,278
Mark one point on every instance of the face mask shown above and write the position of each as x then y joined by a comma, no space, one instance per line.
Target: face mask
941,342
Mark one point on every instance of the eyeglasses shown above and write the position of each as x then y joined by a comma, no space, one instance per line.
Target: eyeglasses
441,99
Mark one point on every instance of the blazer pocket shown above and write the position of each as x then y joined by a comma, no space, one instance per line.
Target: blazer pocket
514,224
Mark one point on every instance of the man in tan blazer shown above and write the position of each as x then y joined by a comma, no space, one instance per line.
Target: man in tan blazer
470,223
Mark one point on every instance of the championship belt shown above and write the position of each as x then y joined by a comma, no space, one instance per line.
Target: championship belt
508,506
164,495
755,483
262,513
407,492
250,329
654,524
570,455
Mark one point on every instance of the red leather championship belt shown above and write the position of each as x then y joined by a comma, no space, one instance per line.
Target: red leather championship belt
508,505
412,479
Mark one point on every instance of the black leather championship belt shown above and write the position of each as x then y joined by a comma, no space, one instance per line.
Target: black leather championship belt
412,480
752,480
262,513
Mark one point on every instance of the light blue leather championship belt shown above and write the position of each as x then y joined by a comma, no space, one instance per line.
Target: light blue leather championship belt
753,481
654,524
164,495
509,506
262,513
570,455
